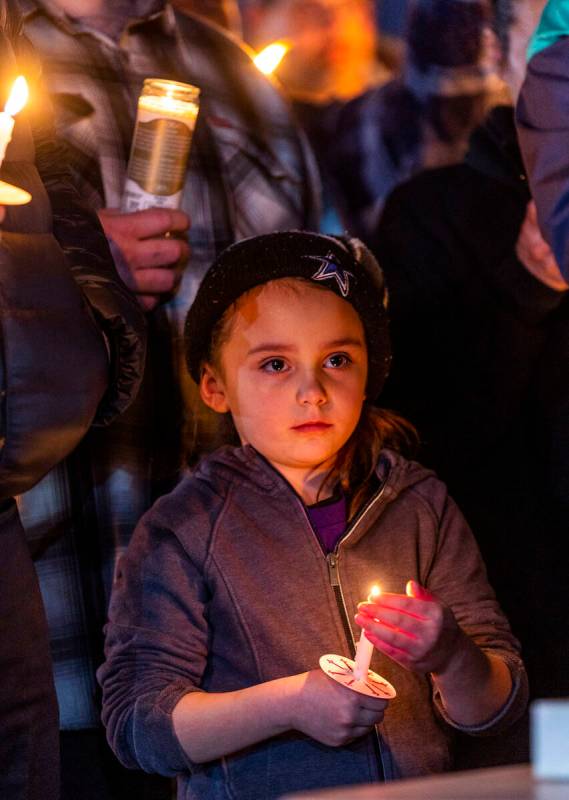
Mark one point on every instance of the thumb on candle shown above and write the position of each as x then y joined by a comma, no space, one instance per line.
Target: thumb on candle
414,589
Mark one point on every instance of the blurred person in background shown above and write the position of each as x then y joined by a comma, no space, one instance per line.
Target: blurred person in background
423,117
71,352
543,122
250,171
480,330
391,14
336,53
543,126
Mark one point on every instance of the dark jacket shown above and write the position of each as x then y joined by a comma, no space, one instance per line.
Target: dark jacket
217,593
471,333
63,311
72,336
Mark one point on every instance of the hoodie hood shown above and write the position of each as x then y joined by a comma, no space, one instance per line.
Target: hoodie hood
245,465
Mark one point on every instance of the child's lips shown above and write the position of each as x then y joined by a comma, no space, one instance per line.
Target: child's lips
308,427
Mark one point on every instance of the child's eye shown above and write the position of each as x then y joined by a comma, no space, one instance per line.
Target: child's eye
274,365
338,360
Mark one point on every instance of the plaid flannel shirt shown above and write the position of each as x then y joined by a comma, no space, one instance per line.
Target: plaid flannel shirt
250,172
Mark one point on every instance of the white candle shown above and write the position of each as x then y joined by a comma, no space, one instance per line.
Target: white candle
6,130
364,650
16,101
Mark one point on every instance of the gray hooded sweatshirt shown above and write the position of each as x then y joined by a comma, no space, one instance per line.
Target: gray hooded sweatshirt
218,590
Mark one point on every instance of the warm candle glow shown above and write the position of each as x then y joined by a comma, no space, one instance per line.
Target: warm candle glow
270,57
364,649
170,107
13,195
16,101
374,593
18,96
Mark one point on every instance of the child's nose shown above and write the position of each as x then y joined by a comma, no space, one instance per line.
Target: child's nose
311,391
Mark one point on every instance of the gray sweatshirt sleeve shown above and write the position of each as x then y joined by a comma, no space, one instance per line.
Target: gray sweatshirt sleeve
458,578
156,647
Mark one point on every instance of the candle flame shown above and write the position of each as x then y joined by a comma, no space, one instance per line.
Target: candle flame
18,96
270,57
374,593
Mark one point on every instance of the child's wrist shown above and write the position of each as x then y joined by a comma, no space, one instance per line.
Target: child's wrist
461,651
288,708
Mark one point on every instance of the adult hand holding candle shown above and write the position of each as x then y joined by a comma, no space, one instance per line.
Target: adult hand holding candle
149,232
149,262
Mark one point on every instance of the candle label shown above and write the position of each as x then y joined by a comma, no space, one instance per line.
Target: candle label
157,165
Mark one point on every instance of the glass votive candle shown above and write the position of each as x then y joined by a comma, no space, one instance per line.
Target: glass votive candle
165,122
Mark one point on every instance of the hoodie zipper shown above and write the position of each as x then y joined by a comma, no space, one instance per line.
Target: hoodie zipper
334,577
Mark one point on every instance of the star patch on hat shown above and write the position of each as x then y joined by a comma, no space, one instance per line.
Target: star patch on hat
329,269
340,264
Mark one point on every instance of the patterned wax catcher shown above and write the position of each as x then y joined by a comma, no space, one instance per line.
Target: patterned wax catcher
343,671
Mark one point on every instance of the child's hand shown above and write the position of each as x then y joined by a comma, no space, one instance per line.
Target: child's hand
415,629
331,713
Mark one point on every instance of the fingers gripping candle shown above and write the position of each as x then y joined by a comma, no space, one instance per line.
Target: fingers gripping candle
165,122
364,650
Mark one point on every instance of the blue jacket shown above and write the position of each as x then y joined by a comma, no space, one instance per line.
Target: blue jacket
214,595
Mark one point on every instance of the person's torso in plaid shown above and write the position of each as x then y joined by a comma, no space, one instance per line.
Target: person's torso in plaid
249,173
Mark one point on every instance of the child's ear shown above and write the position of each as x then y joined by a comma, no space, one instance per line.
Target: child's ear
212,390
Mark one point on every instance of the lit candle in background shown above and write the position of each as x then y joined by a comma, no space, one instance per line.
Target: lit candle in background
364,649
16,101
165,122
268,59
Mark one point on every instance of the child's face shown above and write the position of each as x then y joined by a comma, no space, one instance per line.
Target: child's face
293,374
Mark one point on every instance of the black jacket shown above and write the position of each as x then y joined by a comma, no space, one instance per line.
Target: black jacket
472,334
72,338
468,320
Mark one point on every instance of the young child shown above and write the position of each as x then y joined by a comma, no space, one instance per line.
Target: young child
236,583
